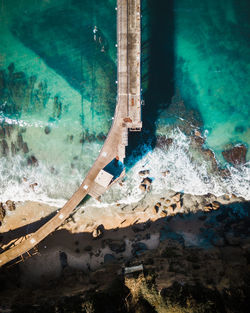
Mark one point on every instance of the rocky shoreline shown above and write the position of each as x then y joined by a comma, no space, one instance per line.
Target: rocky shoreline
200,264
185,242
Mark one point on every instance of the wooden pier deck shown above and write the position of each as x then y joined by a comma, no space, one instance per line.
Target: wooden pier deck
127,117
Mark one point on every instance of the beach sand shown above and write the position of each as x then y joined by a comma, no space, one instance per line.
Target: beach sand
96,234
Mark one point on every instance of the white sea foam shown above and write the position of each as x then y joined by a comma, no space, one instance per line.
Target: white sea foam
21,123
16,179
186,175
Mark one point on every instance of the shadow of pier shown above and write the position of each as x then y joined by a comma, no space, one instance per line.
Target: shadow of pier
159,73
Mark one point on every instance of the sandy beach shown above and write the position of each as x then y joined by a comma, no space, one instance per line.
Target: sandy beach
97,234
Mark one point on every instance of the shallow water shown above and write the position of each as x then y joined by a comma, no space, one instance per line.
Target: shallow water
212,67
57,87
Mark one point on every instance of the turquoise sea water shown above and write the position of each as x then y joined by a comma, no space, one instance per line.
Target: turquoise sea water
56,77
58,90
213,66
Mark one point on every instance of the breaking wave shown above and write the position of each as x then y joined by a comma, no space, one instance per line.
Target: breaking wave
185,175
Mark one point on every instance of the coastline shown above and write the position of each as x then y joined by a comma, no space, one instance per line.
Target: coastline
93,221
204,248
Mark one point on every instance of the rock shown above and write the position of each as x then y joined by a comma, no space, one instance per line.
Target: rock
157,207
101,137
143,187
165,173
177,197
98,231
236,155
215,205
2,132
224,172
163,142
11,68
141,227
5,147
164,213
146,184
109,258
231,239
8,129
25,147
167,201
2,213
32,186
197,133
20,141
63,259
13,149
10,205
88,248
178,205
226,197
207,208
144,172
217,241
147,181
199,141
47,130
32,160
138,248
210,156
117,246
170,210
166,234
173,206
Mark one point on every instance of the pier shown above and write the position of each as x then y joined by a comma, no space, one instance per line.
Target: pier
108,167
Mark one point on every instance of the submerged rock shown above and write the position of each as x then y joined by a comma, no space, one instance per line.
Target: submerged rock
2,132
32,160
8,129
13,149
236,155
47,130
198,140
20,141
5,147
163,142
25,147
101,137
